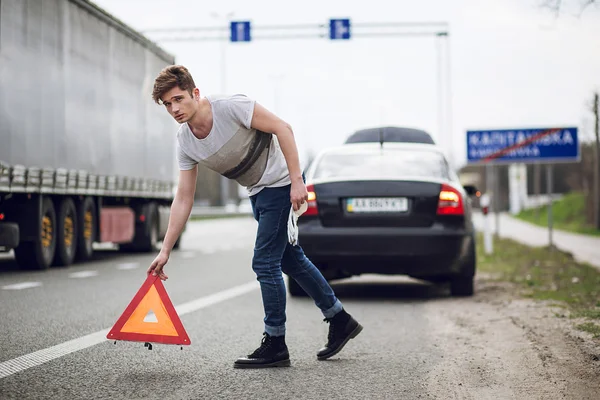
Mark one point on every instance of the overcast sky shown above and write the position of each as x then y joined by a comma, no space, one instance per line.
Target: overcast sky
513,64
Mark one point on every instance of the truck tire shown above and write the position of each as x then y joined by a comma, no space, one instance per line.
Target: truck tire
66,233
39,253
146,233
147,240
86,235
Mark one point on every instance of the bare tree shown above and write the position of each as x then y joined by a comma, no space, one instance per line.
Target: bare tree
557,5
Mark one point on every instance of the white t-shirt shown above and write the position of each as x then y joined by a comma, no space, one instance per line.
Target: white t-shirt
233,148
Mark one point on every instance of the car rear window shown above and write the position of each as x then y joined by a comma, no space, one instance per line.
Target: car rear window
386,164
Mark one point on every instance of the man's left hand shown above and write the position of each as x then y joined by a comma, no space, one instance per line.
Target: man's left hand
298,193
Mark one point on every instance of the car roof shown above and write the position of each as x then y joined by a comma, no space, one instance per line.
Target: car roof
390,134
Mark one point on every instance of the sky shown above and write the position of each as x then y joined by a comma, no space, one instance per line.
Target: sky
505,64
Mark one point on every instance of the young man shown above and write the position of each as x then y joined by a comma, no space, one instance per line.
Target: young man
241,140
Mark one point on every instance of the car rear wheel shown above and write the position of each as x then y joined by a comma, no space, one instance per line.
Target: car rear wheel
295,289
462,286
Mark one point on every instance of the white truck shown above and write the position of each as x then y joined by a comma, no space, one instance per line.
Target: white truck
85,154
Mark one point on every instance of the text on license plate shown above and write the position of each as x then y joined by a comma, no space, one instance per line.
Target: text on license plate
377,204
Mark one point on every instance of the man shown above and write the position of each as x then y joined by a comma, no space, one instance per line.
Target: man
241,140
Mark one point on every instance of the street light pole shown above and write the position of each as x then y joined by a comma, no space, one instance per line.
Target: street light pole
445,95
449,103
440,93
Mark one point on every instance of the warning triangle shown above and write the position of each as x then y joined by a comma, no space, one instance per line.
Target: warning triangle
150,317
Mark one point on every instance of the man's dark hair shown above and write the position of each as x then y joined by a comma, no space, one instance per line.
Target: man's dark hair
170,77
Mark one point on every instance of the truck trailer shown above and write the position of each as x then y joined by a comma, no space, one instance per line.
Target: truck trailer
86,156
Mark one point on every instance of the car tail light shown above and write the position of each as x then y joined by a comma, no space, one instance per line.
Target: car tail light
450,201
312,201
1,216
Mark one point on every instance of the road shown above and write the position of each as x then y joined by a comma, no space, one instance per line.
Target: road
418,342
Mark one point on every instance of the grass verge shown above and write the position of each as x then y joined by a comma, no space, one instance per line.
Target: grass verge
546,274
568,214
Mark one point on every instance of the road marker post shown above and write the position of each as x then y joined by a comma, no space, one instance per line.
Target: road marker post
487,231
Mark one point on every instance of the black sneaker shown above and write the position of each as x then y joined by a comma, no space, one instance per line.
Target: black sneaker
342,327
272,352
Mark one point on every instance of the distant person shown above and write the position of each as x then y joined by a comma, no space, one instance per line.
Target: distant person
241,140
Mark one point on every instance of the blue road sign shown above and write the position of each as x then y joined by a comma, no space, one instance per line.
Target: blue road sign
339,29
505,146
240,31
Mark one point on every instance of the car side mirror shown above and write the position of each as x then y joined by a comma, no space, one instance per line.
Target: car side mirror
470,189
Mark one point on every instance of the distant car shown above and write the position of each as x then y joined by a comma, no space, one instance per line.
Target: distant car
391,209
390,134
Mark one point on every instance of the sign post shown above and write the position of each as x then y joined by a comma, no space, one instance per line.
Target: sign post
531,146
549,181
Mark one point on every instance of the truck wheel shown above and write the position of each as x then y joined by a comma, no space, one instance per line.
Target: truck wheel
146,233
148,240
66,234
38,254
86,234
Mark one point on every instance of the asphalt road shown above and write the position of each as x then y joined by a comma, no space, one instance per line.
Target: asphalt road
418,342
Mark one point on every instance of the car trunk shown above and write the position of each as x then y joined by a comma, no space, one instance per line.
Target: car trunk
382,203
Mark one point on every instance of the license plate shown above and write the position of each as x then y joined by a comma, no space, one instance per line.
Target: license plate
377,205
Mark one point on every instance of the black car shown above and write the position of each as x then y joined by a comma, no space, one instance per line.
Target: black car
395,208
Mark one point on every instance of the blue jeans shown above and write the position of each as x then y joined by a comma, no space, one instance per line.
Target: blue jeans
273,254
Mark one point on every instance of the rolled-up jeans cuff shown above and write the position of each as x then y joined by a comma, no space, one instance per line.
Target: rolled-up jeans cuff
336,308
275,330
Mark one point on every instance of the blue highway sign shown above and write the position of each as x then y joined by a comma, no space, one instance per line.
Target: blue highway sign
240,31
505,146
339,29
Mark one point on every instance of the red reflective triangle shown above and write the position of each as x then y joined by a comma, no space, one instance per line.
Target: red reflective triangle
165,327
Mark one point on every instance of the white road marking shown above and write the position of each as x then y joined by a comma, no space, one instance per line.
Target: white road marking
187,255
127,266
83,274
22,285
40,357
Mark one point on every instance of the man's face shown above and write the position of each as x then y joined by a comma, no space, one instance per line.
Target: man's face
180,104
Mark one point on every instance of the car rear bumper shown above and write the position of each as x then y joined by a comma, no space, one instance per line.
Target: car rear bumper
9,235
413,251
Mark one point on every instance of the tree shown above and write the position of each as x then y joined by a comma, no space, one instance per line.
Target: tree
558,5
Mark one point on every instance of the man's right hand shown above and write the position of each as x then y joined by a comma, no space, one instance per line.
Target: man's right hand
156,268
